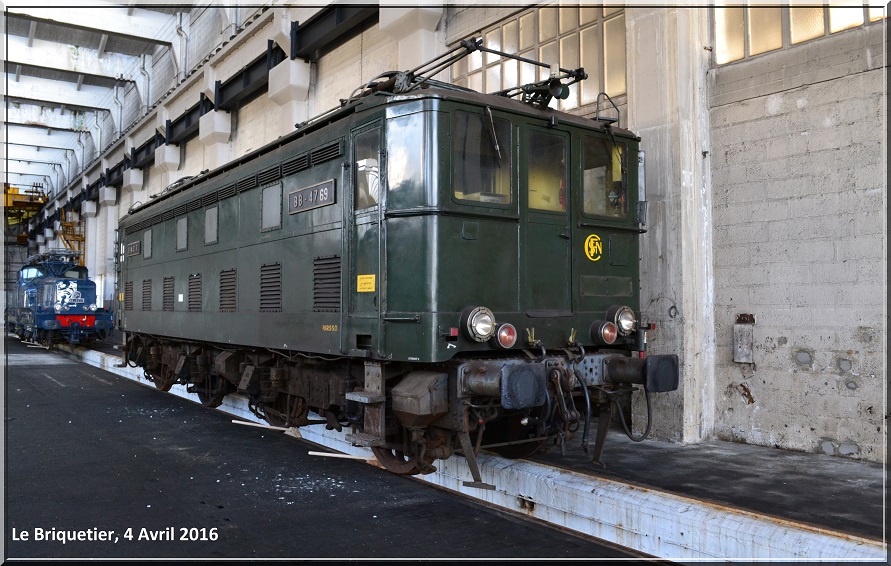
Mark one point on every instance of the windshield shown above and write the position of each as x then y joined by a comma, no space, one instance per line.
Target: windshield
481,158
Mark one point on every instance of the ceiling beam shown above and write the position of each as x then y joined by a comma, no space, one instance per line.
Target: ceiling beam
33,153
49,117
72,58
144,25
61,139
62,92
21,101
102,43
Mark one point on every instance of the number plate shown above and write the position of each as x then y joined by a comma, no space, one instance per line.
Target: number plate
315,196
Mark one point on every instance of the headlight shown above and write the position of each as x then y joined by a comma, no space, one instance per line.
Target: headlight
58,307
478,324
92,307
623,317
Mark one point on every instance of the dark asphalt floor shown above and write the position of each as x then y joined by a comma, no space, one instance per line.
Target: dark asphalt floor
90,451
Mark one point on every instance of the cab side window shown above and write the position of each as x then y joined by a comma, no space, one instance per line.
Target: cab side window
367,146
604,191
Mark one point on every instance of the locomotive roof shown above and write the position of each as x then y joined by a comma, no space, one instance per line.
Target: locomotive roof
435,90
62,256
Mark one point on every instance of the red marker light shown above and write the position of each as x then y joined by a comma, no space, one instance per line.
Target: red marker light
506,335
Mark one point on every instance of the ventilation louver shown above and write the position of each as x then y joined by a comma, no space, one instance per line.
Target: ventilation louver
271,288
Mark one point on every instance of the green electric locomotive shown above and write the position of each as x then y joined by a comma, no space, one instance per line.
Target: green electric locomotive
434,269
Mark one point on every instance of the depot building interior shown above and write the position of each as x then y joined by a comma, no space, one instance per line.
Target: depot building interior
763,263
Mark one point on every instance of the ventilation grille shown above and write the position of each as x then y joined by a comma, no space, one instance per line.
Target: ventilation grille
146,294
271,288
195,292
168,294
326,284
247,183
227,192
209,199
326,152
269,175
295,165
179,210
194,205
167,215
142,225
128,296
228,290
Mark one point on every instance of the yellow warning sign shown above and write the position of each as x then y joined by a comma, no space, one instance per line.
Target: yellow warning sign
365,283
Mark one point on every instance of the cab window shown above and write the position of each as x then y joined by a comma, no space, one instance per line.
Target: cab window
604,191
481,157
29,273
79,273
367,169
546,180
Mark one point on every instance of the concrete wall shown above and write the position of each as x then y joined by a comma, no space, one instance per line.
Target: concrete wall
799,205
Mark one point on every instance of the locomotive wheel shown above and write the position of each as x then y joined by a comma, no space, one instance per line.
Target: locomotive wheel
206,393
510,429
45,338
395,461
296,406
164,381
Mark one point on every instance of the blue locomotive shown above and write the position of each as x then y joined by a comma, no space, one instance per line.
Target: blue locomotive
55,300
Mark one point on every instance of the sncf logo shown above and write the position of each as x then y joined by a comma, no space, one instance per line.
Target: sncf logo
593,247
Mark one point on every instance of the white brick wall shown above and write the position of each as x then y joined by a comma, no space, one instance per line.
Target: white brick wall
799,239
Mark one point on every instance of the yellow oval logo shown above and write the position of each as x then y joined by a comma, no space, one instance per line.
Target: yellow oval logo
593,247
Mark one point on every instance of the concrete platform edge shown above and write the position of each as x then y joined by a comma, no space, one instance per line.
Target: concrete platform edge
650,521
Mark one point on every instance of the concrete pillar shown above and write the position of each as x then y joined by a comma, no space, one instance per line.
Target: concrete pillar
90,236
133,185
132,180
167,157
214,131
289,88
108,196
668,108
415,30
88,209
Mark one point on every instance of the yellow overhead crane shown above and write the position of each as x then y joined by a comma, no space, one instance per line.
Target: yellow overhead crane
20,205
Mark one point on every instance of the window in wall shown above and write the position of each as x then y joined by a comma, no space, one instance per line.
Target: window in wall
182,233
147,244
589,37
742,32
